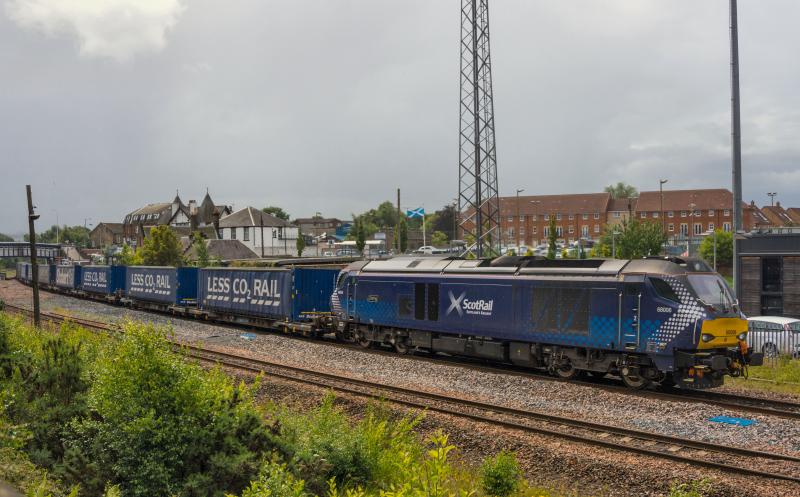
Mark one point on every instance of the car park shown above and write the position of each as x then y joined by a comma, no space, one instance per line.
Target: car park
774,335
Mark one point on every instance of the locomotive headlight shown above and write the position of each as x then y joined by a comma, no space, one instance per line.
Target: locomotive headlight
706,337
741,336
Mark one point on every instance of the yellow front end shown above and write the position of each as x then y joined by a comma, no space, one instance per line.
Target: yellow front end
721,333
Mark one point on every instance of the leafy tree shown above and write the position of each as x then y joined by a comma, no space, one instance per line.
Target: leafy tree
301,245
361,235
277,212
621,190
438,239
201,249
127,257
636,239
77,235
724,248
403,236
444,220
551,238
162,248
5,238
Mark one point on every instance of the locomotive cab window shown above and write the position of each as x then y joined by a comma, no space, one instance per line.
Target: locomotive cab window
419,301
405,306
663,290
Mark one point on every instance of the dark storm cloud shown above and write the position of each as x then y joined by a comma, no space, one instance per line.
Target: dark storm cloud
330,106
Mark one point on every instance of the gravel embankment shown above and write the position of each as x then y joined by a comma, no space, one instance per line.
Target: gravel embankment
598,468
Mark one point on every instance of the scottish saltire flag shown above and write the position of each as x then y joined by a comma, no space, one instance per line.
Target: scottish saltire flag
416,212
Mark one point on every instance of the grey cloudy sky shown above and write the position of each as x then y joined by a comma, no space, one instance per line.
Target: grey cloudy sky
329,105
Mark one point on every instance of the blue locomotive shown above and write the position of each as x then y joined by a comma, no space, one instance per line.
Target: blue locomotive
648,320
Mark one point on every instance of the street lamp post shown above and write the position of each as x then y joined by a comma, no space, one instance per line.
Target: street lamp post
772,198
519,190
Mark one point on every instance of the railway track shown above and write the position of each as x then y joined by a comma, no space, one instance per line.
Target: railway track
738,460
734,402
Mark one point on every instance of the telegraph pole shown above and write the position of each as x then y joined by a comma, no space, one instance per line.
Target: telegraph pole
736,139
34,266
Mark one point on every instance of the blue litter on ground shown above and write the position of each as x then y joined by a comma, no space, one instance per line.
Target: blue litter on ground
248,336
732,421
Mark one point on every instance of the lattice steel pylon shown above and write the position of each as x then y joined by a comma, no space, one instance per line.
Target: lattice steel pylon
478,200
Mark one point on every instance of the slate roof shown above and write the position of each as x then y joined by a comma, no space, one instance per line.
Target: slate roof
576,203
225,250
250,216
679,200
622,204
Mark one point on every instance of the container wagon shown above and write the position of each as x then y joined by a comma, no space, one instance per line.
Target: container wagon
293,299
161,288
68,277
106,281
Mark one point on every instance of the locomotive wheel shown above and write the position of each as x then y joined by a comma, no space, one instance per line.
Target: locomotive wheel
567,372
401,347
364,342
634,380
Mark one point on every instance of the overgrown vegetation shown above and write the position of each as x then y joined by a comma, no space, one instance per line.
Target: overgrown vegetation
781,376
128,416
634,239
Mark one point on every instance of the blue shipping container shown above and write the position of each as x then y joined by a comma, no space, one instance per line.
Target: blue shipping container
107,280
68,276
288,294
168,285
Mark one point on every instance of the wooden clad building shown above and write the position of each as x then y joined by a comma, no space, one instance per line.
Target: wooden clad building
769,265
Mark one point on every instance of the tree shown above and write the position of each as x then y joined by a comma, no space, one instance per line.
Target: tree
361,236
77,235
277,212
301,245
636,239
551,238
724,248
201,249
403,236
444,220
5,238
621,190
162,248
127,257
438,239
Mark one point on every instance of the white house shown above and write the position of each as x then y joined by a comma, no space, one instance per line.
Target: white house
264,234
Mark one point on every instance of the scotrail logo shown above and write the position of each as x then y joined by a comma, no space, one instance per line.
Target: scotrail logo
463,305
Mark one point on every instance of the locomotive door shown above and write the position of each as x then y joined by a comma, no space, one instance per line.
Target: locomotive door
631,313
350,298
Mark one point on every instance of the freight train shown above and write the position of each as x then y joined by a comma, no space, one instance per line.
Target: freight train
668,321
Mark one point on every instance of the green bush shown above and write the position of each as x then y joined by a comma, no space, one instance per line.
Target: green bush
699,488
500,475
323,445
275,480
163,426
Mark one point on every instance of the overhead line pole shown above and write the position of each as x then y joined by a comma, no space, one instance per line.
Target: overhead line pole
34,266
736,139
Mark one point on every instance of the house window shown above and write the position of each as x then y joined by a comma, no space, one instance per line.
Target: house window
571,229
522,218
684,229
534,217
522,231
597,215
546,231
698,228
616,214
246,236
643,215
671,214
571,217
711,227
683,213
558,216
726,226
727,213
585,217
510,219
671,227
655,215
233,233
559,231
597,228
710,212
534,230
511,232
585,231
547,217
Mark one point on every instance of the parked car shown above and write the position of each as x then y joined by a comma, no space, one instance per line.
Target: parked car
774,335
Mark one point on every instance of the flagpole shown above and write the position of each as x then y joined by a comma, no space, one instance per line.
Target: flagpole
423,229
